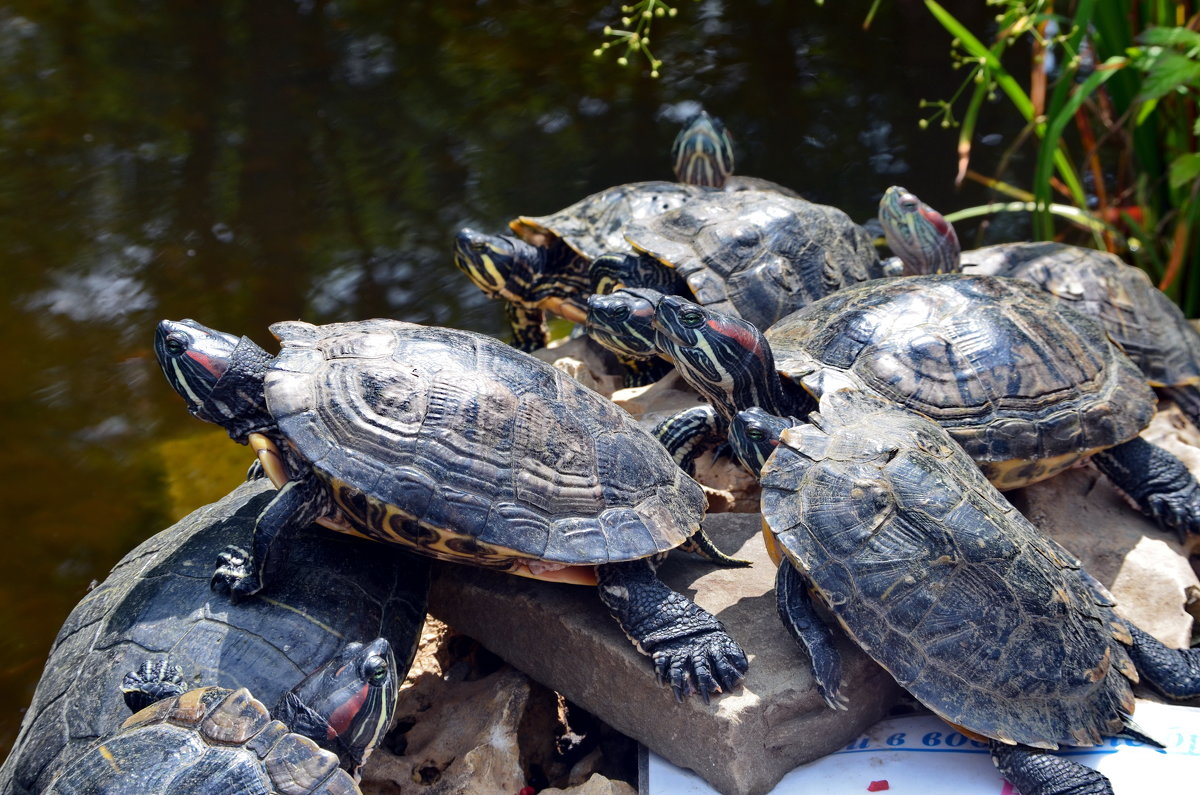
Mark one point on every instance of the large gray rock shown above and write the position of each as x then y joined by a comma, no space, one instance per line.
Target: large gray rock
743,742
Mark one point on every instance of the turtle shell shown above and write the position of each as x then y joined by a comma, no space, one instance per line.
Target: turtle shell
156,604
204,742
1026,385
496,455
759,255
936,576
594,225
1148,325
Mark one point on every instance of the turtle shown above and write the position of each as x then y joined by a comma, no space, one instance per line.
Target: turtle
457,446
1026,385
702,154
156,605
546,266
220,740
879,513
1149,326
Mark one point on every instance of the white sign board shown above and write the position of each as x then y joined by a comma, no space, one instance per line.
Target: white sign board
925,755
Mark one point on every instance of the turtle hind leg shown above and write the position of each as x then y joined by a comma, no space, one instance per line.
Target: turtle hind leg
810,631
1173,672
153,681
1035,771
1158,482
690,648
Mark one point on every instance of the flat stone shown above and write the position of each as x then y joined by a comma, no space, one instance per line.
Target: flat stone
743,742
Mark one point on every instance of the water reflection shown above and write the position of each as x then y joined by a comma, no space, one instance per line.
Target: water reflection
243,163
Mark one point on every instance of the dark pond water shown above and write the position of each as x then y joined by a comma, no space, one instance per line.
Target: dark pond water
247,162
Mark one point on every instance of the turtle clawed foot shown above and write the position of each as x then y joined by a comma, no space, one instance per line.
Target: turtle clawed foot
706,664
1179,511
255,471
153,681
235,574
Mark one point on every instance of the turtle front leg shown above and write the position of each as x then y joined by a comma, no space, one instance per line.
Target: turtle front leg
1157,482
690,647
1173,672
528,327
810,631
298,504
689,433
1034,771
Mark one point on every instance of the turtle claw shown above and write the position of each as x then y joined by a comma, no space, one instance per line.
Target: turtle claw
709,664
1178,510
234,574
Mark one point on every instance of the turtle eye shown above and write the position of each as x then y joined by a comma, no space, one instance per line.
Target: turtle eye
620,313
691,318
375,669
909,202
756,434
176,343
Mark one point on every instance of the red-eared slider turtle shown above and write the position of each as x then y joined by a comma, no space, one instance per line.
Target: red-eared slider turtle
214,740
457,446
547,265
991,625
327,588
1148,325
1026,385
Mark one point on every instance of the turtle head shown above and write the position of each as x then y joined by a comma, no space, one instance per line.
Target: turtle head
347,704
724,358
703,152
754,434
918,234
509,268
623,322
490,263
219,375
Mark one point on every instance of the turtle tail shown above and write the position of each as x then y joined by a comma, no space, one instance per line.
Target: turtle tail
699,543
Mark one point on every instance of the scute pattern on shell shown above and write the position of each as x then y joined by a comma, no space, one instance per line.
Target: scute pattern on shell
756,254
942,581
209,740
1024,384
1147,325
495,452
595,224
